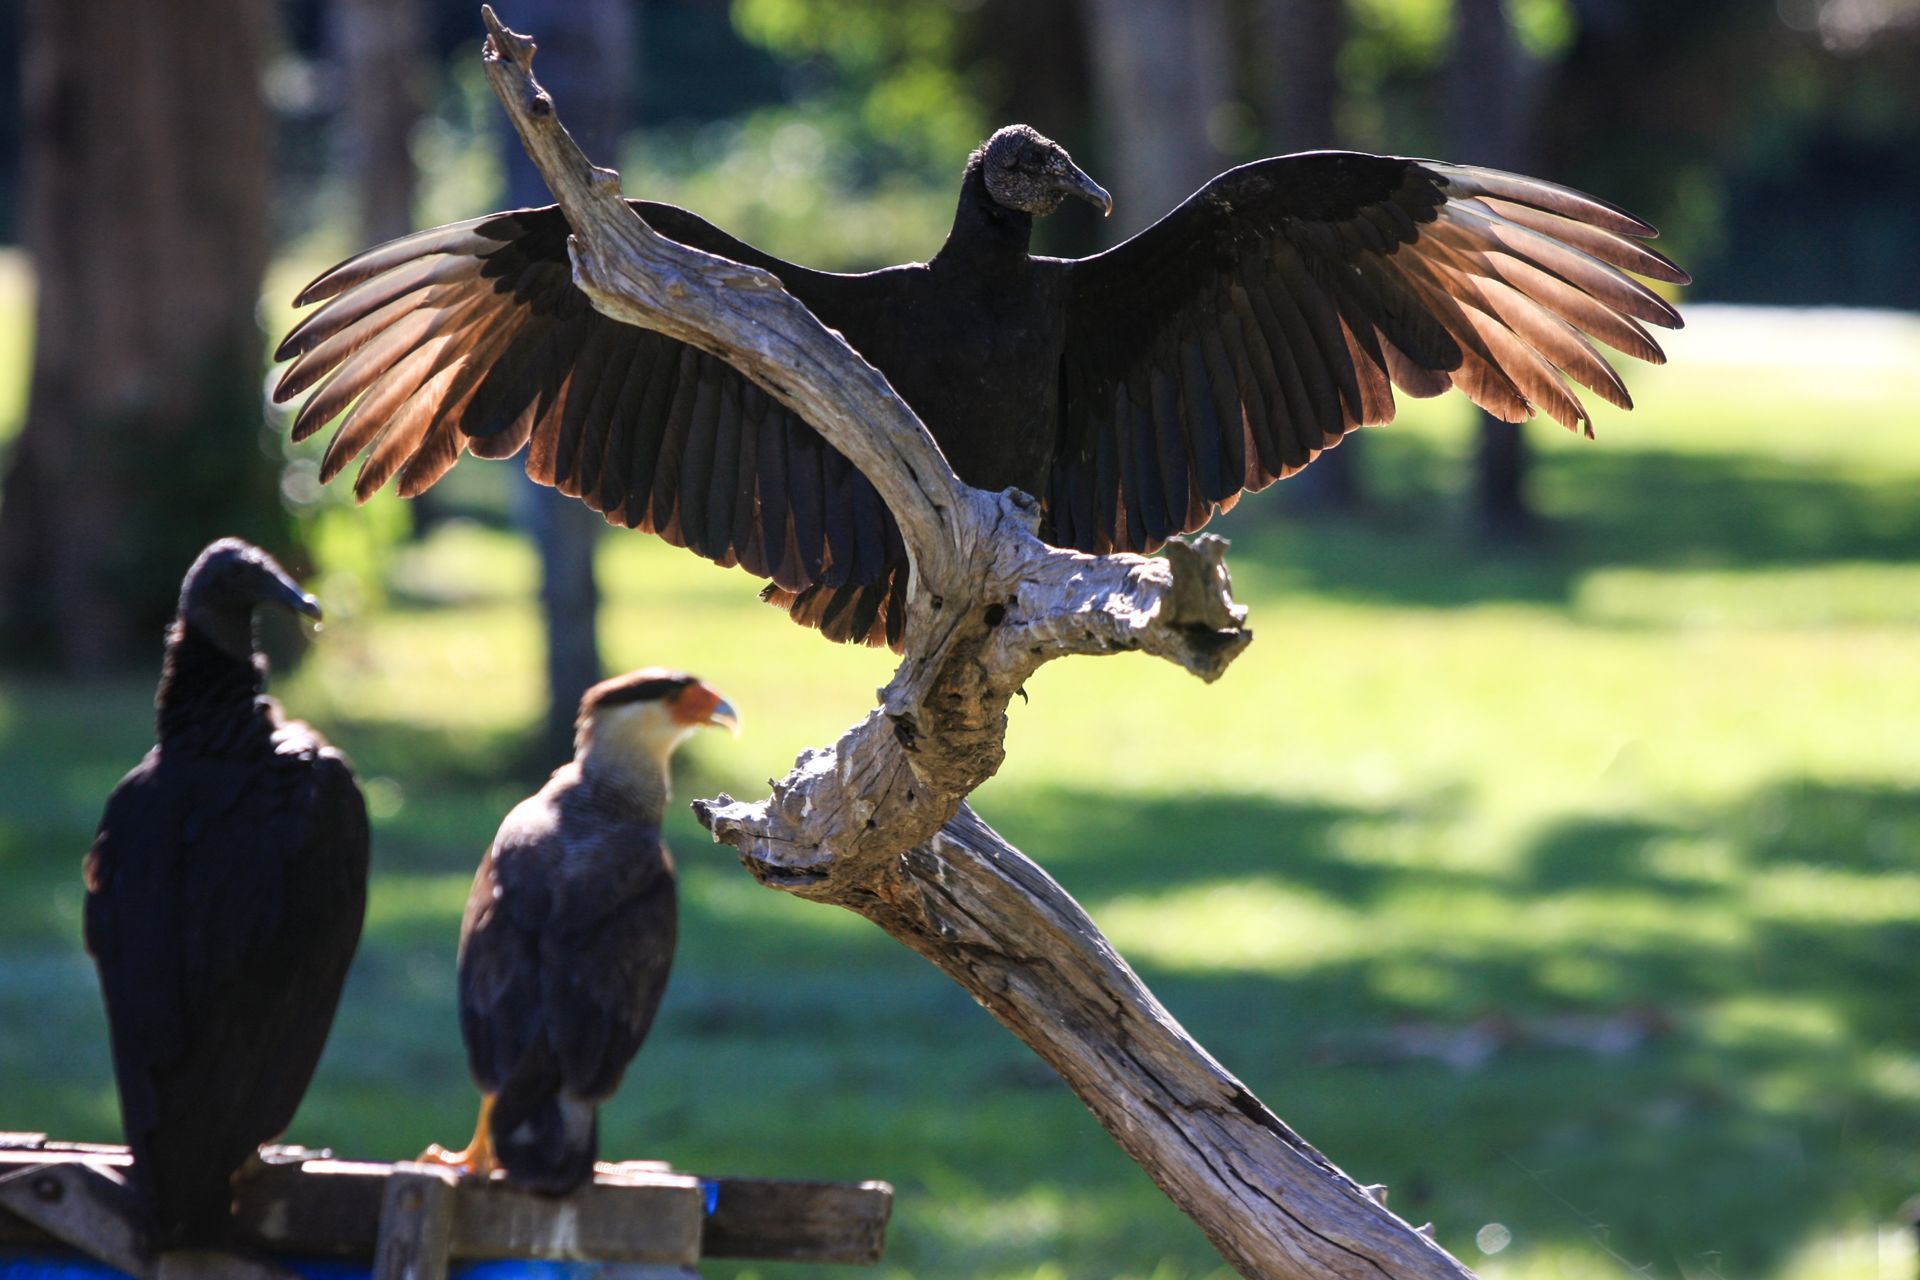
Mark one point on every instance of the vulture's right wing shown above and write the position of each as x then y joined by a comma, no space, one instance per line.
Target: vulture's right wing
474,335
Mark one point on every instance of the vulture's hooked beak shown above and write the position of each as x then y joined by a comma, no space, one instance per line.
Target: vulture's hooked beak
1076,183
288,593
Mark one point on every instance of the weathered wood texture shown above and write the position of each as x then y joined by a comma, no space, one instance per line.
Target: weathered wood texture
147,155
877,823
781,1221
416,1224
637,1212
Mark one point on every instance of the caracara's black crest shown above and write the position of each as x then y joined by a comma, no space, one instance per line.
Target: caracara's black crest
647,685
1134,393
650,684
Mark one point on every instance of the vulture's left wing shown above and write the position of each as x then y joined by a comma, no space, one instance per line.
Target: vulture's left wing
1230,343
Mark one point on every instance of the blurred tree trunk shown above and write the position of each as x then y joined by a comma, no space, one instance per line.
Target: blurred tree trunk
1160,71
381,47
586,59
1487,88
1301,42
148,151
382,69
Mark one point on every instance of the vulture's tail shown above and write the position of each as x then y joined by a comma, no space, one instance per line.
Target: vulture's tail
871,613
545,1140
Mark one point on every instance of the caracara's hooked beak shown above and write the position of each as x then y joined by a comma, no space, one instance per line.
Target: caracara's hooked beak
1075,182
701,704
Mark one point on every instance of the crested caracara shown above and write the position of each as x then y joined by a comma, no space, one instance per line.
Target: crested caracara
569,934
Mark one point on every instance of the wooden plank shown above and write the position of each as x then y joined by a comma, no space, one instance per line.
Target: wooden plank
416,1224
329,1208
638,1213
786,1221
85,1207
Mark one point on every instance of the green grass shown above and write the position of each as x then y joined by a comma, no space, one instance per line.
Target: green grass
1662,764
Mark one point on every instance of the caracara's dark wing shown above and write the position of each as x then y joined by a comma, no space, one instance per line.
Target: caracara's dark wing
1228,344
565,951
473,335
225,898
564,955
501,1004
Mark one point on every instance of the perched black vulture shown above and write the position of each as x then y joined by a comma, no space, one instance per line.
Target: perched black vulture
225,893
1135,392
569,934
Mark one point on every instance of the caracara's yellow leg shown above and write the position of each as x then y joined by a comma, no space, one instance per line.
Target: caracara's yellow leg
478,1159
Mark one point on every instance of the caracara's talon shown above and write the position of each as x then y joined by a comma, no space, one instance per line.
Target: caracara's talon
476,1159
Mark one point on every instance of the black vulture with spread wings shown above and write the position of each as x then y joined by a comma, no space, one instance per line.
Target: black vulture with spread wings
225,893
1134,393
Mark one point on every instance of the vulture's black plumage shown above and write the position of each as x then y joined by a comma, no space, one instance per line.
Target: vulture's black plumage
569,934
225,893
1134,392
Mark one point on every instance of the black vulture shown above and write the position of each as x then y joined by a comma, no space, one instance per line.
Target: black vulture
225,893
569,934
1134,393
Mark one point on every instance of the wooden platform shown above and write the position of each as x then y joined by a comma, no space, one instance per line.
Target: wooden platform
410,1222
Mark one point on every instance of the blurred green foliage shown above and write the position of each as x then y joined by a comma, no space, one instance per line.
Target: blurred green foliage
894,69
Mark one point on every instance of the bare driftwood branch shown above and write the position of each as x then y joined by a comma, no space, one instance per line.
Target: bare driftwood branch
878,824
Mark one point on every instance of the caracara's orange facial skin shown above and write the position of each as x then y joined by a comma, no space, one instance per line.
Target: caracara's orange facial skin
700,704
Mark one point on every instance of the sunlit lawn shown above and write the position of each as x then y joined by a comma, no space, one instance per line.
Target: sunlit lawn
1656,773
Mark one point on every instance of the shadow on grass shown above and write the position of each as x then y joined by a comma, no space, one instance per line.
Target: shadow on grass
1777,1096
1640,508
1780,1099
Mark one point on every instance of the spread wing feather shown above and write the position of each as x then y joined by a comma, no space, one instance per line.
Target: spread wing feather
473,336
1221,349
1279,307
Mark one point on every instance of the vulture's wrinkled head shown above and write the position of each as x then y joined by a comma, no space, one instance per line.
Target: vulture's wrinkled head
231,578
1032,173
645,714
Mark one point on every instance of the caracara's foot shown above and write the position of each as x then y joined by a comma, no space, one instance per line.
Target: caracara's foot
471,1163
477,1160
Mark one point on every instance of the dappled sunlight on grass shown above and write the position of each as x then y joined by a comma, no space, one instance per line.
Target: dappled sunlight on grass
1246,924
1573,888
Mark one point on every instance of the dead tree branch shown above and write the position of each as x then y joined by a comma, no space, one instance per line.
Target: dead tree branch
878,824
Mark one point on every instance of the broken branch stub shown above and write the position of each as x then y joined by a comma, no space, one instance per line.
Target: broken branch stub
877,822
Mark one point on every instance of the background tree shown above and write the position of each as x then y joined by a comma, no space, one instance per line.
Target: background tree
381,49
1160,76
148,160
1488,81
587,49
1298,86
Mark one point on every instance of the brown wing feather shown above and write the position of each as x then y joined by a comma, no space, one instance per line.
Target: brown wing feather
1316,283
473,337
